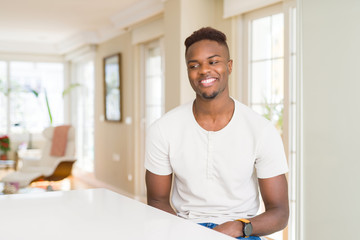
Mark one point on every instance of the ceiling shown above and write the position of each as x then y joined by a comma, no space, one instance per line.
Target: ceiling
58,26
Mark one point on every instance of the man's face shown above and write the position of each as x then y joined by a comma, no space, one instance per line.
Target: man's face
208,68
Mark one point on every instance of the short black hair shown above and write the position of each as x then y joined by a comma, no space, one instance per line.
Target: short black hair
206,33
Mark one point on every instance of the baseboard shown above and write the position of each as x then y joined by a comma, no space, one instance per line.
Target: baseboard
89,178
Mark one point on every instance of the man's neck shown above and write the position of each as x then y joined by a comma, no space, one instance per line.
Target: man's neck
213,114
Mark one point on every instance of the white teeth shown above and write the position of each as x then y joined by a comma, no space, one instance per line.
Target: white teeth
208,80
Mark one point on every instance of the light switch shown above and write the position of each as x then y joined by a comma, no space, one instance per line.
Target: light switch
128,120
116,157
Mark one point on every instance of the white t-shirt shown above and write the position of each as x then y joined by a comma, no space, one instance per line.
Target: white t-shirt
215,172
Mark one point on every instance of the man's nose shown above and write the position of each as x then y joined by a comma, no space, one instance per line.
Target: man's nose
204,68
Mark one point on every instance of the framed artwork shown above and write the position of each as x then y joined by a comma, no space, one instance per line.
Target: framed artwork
112,88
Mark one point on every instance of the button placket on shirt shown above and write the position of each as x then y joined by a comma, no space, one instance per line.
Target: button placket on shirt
210,155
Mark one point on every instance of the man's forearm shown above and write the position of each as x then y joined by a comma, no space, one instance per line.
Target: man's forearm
275,196
158,191
271,221
165,206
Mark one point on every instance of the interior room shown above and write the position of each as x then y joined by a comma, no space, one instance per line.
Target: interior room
111,68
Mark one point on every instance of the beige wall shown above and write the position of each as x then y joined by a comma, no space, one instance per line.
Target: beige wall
180,18
331,114
111,137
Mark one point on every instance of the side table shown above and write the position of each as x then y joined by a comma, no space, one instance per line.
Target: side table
5,167
6,164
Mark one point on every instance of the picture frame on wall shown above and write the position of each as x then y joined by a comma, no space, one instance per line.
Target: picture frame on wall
112,88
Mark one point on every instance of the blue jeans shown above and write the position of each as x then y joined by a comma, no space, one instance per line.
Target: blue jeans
212,225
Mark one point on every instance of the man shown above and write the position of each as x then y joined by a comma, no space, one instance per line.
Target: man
217,151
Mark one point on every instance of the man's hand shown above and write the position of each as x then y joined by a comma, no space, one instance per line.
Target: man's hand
231,228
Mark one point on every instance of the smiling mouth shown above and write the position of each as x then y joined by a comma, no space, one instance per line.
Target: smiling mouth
208,82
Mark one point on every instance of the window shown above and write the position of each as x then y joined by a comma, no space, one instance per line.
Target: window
30,93
3,97
293,125
267,67
82,112
152,94
270,81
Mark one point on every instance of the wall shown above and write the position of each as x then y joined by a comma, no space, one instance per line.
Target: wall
111,137
182,17
331,115
194,15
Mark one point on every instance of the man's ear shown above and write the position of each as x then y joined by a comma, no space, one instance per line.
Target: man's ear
230,63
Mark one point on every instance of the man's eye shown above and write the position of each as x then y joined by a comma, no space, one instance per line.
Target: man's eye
213,62
194,66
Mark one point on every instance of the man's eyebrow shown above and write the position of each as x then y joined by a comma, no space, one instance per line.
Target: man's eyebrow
192,61
214,56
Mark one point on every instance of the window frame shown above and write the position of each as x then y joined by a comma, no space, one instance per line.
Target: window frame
290,86
140,99
77,113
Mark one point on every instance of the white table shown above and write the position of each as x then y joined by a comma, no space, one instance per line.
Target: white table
92,214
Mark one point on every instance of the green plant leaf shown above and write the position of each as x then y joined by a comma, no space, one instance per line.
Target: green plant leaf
34,92
48,107
71,87
4,90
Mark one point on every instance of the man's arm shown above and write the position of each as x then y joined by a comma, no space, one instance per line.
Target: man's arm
274,192
158,191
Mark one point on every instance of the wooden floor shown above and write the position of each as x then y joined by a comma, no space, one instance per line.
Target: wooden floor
70,183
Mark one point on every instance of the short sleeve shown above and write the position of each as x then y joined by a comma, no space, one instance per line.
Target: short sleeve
157,152
270,155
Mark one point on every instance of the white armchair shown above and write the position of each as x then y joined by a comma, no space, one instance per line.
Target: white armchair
48,167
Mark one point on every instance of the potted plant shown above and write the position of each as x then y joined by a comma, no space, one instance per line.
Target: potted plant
4,147
64,93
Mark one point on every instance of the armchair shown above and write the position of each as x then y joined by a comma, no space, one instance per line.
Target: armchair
51,166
